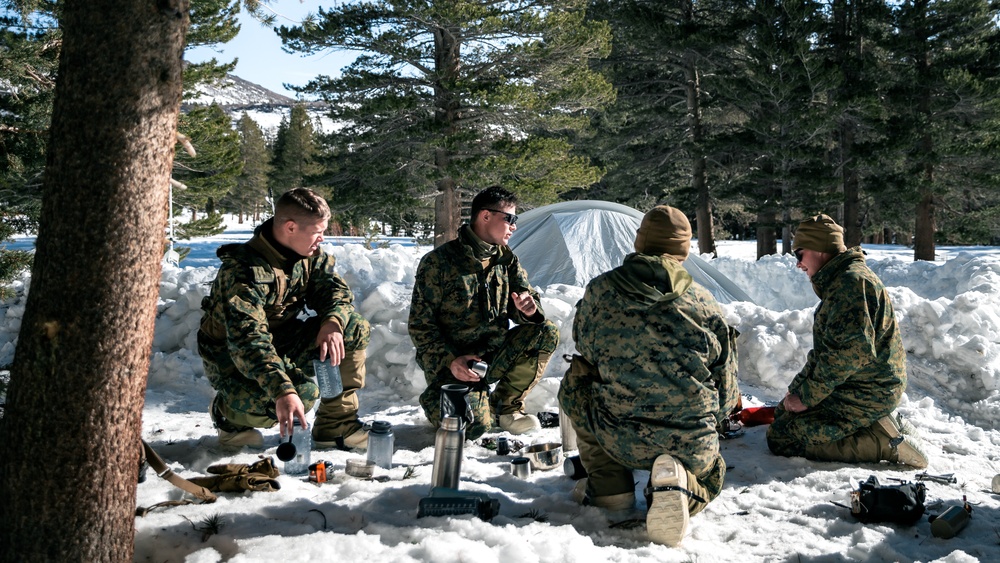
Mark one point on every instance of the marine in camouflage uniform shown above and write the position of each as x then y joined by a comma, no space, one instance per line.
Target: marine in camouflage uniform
462,305
257,345
856,372
658,369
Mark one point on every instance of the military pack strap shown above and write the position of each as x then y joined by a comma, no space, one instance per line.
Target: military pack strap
161,469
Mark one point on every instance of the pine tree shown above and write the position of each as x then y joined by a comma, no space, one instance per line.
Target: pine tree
854,44
946,113
29,51
211,174
249,197
212,22
294,164
666,61
455,95
781,92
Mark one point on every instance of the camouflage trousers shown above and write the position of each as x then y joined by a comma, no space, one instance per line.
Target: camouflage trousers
515,367
609,474
792,434
243,403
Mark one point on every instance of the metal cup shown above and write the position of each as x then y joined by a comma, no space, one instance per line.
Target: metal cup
479,367
520,467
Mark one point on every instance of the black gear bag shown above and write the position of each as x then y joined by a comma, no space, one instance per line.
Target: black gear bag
902,503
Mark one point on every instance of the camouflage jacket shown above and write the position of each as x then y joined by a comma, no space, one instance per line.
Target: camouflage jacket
258,290
857,363
666,359
461,306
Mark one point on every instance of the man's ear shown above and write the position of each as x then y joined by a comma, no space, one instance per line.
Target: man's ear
287,228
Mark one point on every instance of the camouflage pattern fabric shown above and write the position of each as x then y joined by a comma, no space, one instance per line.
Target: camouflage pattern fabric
856,372
252,342
666,365
461,305
515,368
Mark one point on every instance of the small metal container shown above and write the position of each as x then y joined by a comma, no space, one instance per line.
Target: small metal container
479,367
360,468
520,467
544,456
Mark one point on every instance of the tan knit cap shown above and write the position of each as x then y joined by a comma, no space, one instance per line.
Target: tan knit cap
819,233
664,230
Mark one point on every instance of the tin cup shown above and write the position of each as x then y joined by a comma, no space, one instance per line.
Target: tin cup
520,467
360,468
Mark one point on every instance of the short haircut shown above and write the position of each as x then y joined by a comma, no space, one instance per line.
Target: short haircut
492,197
301,205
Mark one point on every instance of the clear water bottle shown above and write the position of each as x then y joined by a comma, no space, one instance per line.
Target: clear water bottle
380,444
448,445
328,378
301,439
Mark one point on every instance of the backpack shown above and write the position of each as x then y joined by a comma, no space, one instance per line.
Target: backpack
902,503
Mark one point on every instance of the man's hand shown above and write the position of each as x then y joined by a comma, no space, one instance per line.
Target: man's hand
793,403
330,342
288,407
460,368
524,303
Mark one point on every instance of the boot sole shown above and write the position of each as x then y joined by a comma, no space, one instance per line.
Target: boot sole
667,517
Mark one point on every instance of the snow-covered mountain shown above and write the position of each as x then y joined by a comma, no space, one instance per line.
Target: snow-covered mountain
267,108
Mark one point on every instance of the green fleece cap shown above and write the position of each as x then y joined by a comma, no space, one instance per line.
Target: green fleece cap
820,233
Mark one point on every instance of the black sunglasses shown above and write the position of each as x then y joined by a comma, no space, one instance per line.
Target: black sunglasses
798,255
510,218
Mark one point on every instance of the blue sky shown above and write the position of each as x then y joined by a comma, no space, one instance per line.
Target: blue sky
261,59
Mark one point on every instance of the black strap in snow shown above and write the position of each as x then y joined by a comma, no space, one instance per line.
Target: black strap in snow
650,490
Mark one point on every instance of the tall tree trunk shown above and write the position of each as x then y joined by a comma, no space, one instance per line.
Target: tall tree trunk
447,212
447,206
767,240
924,228
852,198
699,169
69,442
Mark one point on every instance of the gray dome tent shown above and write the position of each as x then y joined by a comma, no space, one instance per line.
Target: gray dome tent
573,241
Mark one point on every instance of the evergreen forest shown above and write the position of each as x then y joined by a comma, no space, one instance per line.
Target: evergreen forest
747,115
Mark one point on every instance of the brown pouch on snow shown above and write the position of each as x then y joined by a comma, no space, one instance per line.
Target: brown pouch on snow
265,467
237,482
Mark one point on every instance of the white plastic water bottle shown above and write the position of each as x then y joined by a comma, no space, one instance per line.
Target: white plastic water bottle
328,378
302,441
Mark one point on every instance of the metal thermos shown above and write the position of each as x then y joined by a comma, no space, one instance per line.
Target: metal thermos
566,432
950,522
448,453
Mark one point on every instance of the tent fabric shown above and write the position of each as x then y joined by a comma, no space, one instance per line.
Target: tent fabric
572,242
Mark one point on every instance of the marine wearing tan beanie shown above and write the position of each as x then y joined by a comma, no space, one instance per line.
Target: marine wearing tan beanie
664,230
819,233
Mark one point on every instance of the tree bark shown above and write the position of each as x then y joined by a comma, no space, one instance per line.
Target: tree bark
699,169
69,442
447,207
925,225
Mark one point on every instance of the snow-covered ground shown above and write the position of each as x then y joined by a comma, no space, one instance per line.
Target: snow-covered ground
771,509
